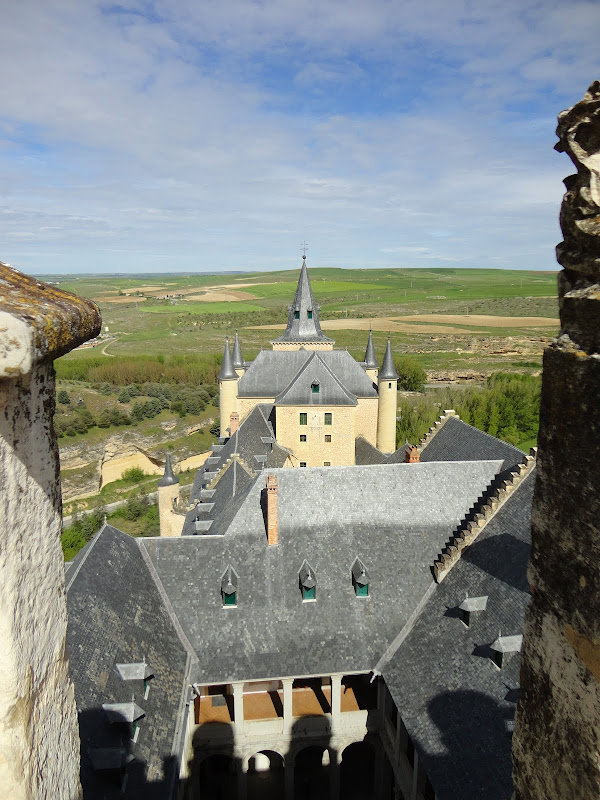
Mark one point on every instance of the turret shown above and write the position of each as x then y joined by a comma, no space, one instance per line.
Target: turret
228,387
171,524
388,403
239,364
303,328
370,362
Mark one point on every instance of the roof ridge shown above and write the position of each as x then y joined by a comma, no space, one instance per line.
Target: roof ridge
85,556
503,485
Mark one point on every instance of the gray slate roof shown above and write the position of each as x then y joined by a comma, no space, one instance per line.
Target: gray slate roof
456,441
388,370
227,372
395,518
116,616
365,453
272,371
370,358
456,704
306,327
315,372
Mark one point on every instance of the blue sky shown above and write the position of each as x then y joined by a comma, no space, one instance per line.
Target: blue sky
192,135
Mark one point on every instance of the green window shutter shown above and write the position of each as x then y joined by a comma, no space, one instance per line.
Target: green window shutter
362,591
328,418
308,594
296,315
315,388
310,314
303,418
229,599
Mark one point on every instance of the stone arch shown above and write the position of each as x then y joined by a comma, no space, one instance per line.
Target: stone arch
265,774
357,770
217,776
312,770
276,760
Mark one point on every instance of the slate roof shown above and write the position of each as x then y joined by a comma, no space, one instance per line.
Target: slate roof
388,370
366,453
395,518
306,327
457,441
117,616
227,372
370,359
272,371
330,392
456,704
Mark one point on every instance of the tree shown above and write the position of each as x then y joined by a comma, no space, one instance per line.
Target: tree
411,376
63,397
124,396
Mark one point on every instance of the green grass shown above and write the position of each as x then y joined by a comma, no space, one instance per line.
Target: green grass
184,307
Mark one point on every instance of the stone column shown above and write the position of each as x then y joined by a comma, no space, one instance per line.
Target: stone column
287,704
556,745
39,738
238,707
336,702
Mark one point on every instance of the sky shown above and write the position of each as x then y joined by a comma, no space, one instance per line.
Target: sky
203,135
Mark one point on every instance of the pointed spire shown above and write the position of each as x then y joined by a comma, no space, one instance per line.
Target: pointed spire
238,358
168,479
370,359
388,370
303,321
227,372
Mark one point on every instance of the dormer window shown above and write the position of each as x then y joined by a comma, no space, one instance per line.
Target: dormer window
314,387
308,582
136,671
471,605
309,314
504,647
360,578
296,315
229,585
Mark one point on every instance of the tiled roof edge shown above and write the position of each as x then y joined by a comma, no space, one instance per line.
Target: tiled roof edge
225,466
72,577
436,427
166,602
482,512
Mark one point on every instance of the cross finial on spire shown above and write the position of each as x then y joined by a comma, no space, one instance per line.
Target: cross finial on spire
304,249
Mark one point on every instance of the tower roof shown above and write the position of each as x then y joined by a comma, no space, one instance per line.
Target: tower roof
370,359
388,370
168,479
227,372
303,321
238,358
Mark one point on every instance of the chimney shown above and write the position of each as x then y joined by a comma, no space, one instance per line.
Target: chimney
412,455
234,422
272,529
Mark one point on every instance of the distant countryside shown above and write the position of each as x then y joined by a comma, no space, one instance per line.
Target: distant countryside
471,340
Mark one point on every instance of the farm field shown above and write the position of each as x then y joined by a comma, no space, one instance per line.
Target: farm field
457,325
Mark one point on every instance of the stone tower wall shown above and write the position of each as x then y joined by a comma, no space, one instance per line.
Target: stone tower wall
171,524
228,403
39,737
556,748
386,417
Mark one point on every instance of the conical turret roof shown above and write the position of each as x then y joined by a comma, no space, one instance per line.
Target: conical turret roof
168,479
227,372
370,359
388,370
303,321
238,358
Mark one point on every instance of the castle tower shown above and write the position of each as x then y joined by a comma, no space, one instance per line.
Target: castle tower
39,735
556,745
303,328
370,359
239,364
168,496
228,387
388,403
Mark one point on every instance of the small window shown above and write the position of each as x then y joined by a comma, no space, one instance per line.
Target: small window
296,315
303,418
389,385
327,463
309,593
229,599
303,463
310,314
314,387
146,688
135,732
362,591
328,418
327,437
302,437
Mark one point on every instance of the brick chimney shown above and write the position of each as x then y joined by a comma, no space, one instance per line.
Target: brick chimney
412,455
272,528
234,422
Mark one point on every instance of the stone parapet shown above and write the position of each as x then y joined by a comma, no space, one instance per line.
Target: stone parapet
480,514
436,427
39,739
